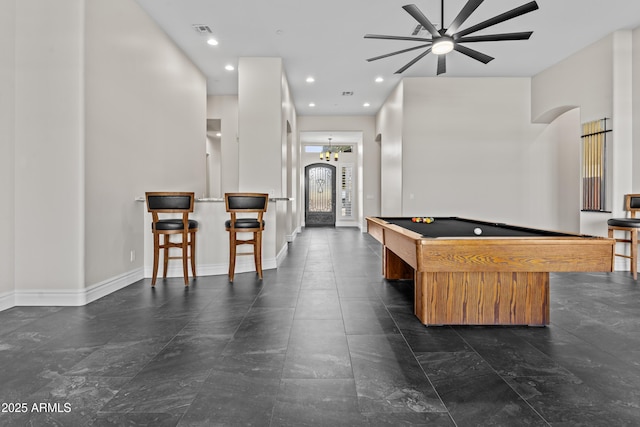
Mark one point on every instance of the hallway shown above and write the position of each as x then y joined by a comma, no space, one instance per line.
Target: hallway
323,340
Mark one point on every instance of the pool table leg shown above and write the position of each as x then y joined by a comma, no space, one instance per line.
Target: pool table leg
420,299
394,267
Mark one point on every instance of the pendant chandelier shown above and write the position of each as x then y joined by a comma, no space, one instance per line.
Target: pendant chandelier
327,155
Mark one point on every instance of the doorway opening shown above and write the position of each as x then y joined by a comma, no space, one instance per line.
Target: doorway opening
320,195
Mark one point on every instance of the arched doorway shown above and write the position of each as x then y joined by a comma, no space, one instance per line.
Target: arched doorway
320,195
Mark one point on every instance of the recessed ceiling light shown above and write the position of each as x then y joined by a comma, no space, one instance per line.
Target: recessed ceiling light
229,67
310,79
218,134
366,104
379,79
212,42
311,104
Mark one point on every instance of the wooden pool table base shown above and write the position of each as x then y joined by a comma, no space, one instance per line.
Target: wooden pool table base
485,281
475,298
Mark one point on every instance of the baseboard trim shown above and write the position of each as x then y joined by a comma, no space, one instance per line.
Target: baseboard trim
109,286
283,253
7,301
291,237
62,297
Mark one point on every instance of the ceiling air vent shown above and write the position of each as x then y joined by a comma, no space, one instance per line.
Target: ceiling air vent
201,29
347,93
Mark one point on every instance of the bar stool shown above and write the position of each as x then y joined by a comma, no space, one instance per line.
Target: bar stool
631,226
171,203
251,203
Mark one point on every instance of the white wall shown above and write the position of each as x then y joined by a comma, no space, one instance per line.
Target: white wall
552,165
598,80
582,80
260,125
389,122
214,166
225,108
95,115
7,83
49,146
145,130
635,187
463,146
265,107
368,164
290,159
286,230
621,143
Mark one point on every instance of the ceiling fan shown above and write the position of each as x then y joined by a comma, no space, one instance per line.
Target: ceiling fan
445,40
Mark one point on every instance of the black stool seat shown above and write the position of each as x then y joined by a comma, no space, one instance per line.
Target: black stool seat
174,224
624,222
244,223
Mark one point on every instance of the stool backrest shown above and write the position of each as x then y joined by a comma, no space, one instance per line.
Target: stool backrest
246,202
632,204
169,202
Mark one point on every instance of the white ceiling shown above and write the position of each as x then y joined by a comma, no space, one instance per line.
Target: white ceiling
325,39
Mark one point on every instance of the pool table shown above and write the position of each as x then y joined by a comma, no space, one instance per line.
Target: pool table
498,275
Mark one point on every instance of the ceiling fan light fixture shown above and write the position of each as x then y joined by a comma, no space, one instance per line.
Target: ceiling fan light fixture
451,38
442,46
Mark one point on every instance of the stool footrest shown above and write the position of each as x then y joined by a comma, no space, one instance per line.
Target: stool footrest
245,242
623,241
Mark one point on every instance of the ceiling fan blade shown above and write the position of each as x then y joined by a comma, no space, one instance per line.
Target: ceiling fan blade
413,61
398,52
496,37
383,37
413,10
442,64
526,8
466,11
478,56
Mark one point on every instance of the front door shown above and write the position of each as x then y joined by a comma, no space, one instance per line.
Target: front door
320,195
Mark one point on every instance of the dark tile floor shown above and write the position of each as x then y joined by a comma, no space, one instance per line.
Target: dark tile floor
322,341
